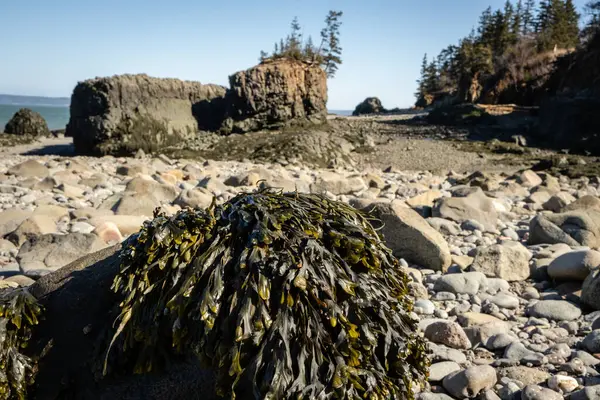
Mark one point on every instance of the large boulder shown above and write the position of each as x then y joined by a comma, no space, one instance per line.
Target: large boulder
121,114
468,204
27,122
77,302
410,236
581,227
509,261
274,94
371,105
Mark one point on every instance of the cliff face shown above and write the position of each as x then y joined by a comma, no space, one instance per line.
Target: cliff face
120,114
569,117
274,94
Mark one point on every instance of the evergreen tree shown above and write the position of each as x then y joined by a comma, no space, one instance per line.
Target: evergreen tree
263,56
558,25
500,29
309,49
294,40
448,74
528,22
592,9
508,35
486,27
544,17
431,78
571,21
517,23
330,43
422,78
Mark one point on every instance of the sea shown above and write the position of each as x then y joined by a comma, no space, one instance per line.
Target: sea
340,112
56,116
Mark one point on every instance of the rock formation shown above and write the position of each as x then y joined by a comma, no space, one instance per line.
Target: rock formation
121,114
276,93
569,118
371,105
27,122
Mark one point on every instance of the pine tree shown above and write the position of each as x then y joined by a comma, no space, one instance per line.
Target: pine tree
592,9
294,40
500,29
517,23
509,37
571,38
528,17
544,17
263,56
431,78
422,78
309,49
330,43
486,27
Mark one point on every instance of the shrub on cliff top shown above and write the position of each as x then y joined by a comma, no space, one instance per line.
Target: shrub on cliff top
27,122
327,54
284,295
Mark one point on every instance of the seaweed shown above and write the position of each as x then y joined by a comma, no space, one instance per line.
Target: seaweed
284,295
19,313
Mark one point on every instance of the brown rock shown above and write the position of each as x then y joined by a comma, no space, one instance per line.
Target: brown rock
33,226
584,203
127,224
426,199
11,219
335,183
20,280
108,232
28,169
469,319
468,204
410,236
276,93
122,114
448,333
525,375
197,197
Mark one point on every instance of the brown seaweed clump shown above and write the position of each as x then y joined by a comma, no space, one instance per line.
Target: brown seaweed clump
285,296
19,313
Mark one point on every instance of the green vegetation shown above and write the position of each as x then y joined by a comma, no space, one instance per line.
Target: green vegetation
285,296
505,40
19,312
327,54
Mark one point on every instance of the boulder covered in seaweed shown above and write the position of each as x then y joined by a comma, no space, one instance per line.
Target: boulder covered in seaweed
268,296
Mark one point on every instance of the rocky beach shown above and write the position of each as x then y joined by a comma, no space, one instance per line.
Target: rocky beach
186,240
503,260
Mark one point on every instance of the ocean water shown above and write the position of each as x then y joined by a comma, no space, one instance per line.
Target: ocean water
56,116
340,112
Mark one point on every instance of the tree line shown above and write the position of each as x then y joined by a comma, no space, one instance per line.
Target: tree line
295,46
507,38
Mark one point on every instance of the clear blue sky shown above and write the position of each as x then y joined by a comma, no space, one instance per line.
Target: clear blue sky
47,46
